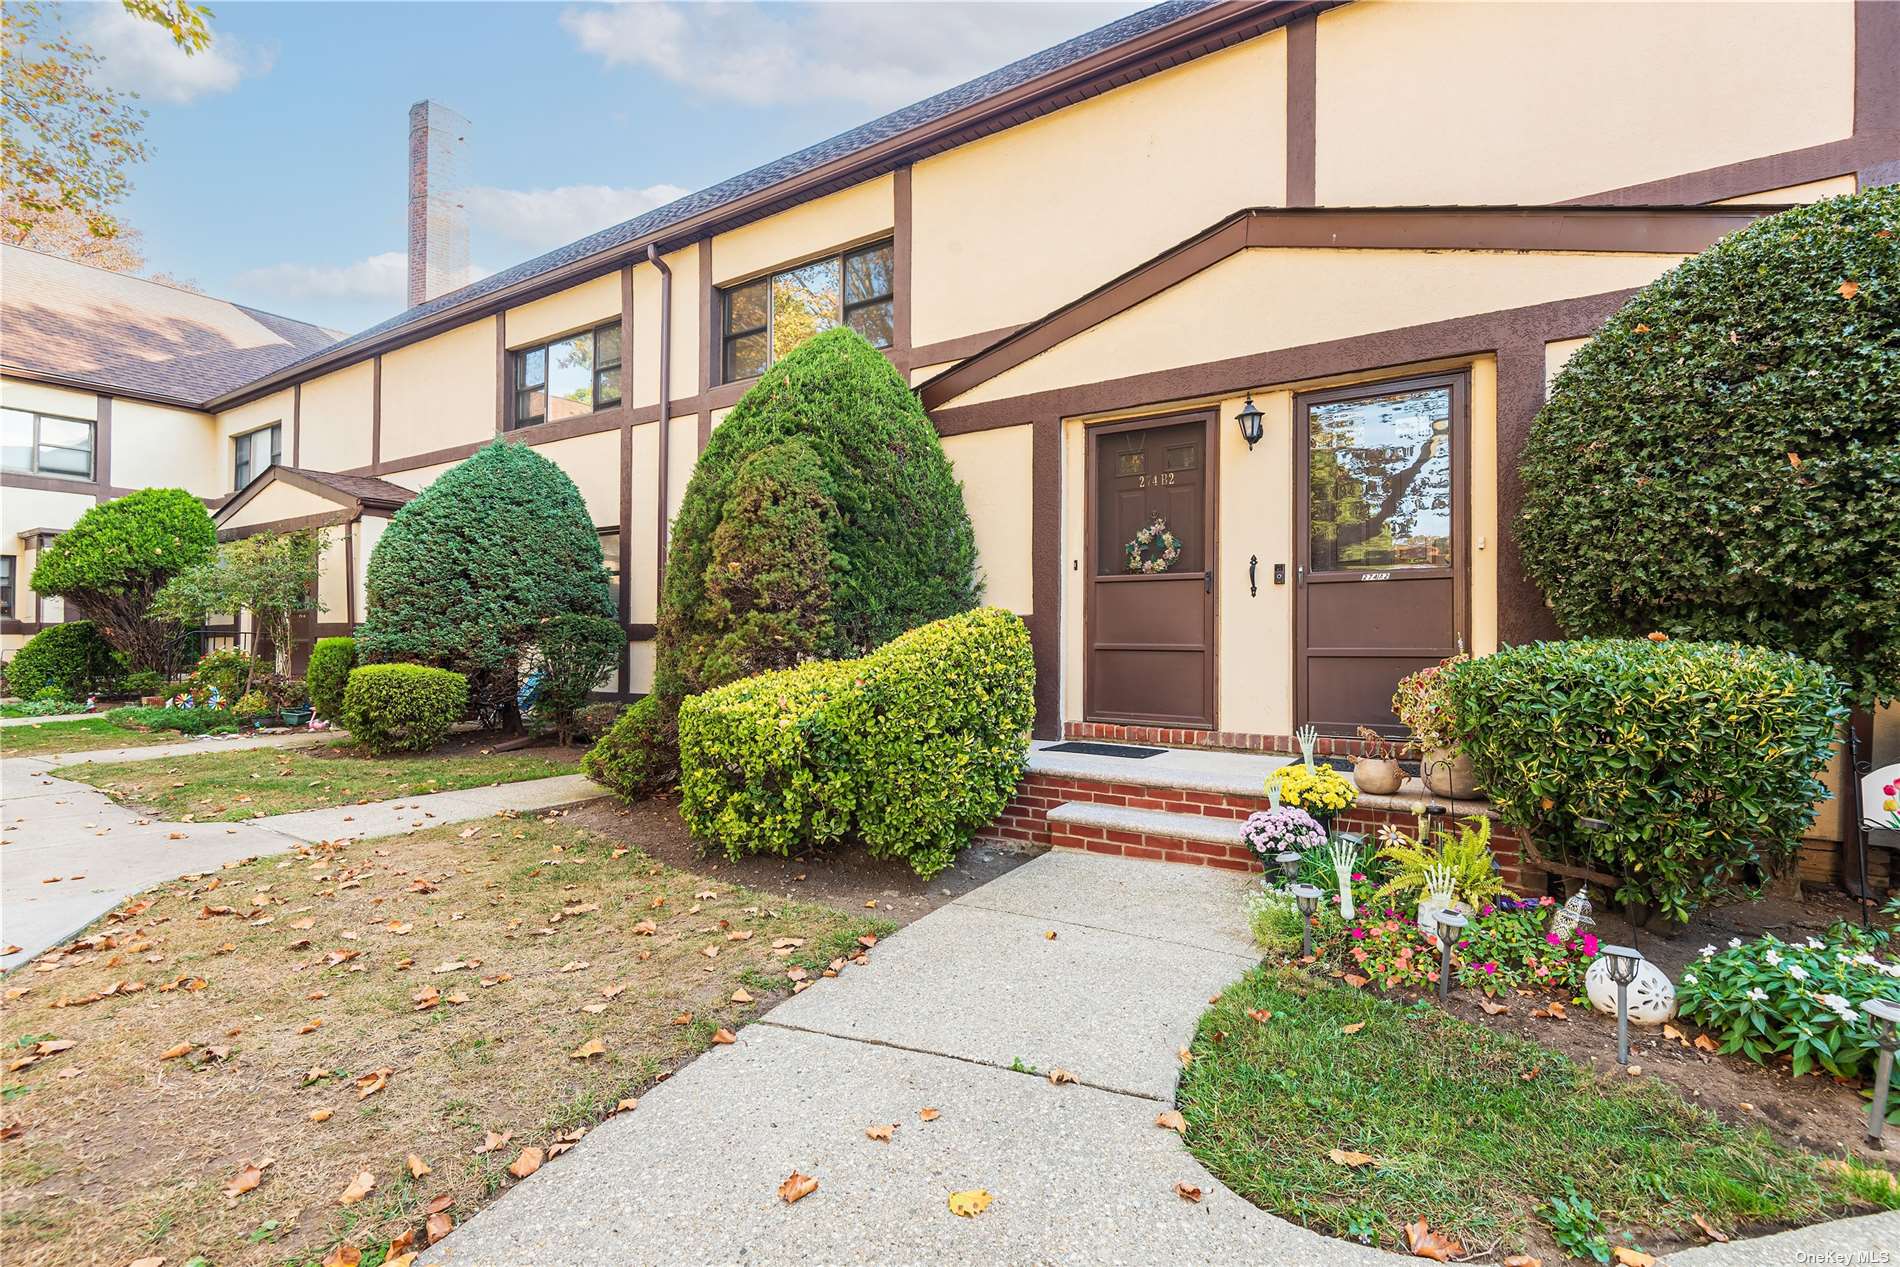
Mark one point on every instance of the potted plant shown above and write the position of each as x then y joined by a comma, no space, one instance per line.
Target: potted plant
1376,769
254,709
1424,706
1319,790
293,702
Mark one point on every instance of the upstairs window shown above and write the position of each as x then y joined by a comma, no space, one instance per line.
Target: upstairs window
8,564
567,377
768,317
254,452
42,444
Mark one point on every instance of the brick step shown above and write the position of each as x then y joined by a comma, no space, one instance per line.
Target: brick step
1157,835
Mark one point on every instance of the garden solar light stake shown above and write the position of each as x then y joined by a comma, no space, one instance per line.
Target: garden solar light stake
1289,863
1885,1014
1623,964
1308,898
1450,924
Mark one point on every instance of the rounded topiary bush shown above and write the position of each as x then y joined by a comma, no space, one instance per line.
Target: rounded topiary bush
466,573
1722,460
112,563
403,707
823,518
1703,758
72,658
328,673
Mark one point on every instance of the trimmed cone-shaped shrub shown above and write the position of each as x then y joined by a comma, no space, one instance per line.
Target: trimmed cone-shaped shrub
899,551
72,658
112,563
328,673
1703,758
1720,462
403,707
908,750
466,573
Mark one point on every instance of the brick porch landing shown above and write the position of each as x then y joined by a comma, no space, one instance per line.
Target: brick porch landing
1183,805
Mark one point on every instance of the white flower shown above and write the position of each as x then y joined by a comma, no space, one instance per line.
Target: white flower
1708,950
1815,943
1773,958
1796,971
1833,1002
1688,978
1734,943
1757,995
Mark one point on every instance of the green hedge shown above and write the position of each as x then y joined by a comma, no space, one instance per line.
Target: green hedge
186,721
328,673
1703,757
908,750
1719,461
74,658
403,707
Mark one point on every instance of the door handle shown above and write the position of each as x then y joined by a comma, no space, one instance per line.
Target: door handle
1207,581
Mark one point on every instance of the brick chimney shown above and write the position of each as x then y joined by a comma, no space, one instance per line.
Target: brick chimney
438,221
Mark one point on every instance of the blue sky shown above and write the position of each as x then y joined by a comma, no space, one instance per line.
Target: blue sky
278,157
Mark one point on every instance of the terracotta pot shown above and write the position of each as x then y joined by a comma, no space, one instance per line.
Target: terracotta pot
151,701
1379,776
1455,780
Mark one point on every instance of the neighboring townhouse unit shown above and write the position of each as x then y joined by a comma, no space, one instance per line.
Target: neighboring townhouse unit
1372,230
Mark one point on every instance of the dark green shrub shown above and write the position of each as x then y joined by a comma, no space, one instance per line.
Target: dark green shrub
402,707
573,653
110,565
142,682
898,547
1719,462
186,721
74,658
467,572
595,720
639,753
328,673
1704,758
909,750
227,671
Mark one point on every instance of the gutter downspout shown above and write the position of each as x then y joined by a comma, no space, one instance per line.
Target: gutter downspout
666,410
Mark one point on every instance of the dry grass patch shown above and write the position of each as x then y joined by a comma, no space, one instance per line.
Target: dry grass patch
244,1045
253,782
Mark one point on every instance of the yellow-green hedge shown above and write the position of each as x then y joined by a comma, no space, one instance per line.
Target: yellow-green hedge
908,750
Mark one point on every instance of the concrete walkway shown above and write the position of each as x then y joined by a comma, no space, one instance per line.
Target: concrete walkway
41,721
1079,1174
71,853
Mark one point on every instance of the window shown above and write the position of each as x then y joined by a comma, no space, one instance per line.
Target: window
568,377
256,451
767,318
7,565
41,444
1379,479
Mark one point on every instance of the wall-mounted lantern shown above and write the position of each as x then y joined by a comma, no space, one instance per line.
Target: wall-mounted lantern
1249,420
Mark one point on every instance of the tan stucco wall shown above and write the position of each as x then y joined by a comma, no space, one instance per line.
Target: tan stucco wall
812,228
369,531
157,446
644,529
646,329
1812,191
17,393
1482,507
1557,354
419,477
1254,633
1089,191
593,463
577,308
278,501
335,419
333,581
1074,550
440,392
1443,104
1258,300
23,508
996,470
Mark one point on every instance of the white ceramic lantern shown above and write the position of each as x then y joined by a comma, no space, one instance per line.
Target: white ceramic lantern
1652,996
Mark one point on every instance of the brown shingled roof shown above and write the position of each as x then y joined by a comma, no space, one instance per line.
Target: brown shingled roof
73,323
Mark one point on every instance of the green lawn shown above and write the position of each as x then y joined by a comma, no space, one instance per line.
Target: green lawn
228,786
76,736
1474,1131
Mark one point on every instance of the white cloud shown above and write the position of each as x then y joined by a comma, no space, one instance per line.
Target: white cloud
379,280
881,55
540,219
141,57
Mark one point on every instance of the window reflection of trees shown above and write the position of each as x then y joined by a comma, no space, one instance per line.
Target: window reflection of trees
1380,481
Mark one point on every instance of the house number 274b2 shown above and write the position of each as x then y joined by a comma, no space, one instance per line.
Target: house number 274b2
1375,576
1156,481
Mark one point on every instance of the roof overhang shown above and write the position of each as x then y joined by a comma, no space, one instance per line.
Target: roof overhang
350,504
1641,230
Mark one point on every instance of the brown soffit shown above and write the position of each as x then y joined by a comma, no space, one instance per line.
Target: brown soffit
1659,230
1197,34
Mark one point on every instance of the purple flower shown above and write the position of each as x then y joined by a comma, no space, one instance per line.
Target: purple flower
1553,939
1488,909
1490,968
1359,934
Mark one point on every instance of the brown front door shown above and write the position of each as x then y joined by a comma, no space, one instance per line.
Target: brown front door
1380,535
1150,608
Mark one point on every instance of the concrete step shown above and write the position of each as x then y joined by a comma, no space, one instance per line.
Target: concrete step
1155,835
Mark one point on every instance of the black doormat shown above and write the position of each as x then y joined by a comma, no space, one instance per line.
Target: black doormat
1106,749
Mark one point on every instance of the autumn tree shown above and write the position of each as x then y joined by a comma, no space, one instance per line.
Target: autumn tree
68,139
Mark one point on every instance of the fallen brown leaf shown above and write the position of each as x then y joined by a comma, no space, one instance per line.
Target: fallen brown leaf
1708,1229
928,1115
1353,1028
526,1164
1493,1009
343,1256
1171,1120
592,1047
1349,1159
417,1166
723,1037
1059,1076
439,1226
248,1177
494,1141
881,1132
359,1188
969,1204
796,1188
322,1115
1187,1191
1425,1243
173,1053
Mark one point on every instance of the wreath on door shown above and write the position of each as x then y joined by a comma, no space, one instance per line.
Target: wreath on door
1142,551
